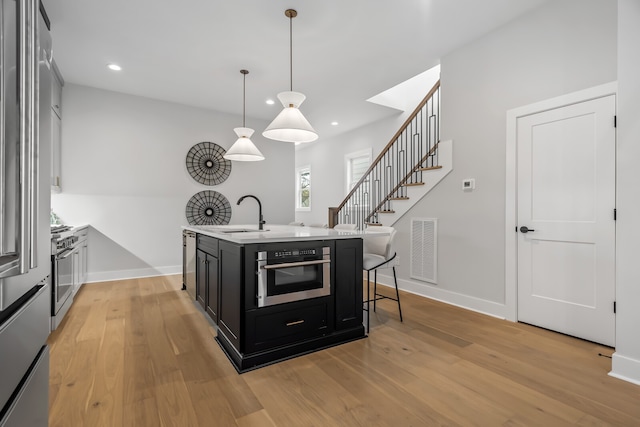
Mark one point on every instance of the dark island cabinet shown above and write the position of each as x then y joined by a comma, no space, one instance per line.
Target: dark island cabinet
207,279
287,324
252,336
201,278
348,283
212,287
231,291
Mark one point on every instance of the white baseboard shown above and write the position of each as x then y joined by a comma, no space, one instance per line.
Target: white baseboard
428,290
108,276
625,368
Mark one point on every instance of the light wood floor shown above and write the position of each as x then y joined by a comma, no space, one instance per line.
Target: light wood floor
139,353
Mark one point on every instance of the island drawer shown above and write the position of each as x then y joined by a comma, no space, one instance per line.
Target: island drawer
208,244
268,328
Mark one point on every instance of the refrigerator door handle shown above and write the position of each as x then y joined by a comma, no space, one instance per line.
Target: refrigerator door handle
10,237
19,259
27,46
34,128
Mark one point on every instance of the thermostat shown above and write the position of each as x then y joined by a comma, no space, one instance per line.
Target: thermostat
468,184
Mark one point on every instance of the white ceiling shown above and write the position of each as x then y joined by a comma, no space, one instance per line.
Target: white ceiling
191,52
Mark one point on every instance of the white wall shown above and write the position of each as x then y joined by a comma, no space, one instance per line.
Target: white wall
124,173
626,359
557,49
562,47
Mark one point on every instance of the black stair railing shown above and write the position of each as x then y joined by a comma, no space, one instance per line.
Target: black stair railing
411,151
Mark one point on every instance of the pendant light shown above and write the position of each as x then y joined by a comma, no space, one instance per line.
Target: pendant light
290,125
243,150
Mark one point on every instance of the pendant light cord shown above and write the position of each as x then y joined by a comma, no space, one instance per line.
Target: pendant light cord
291,53
244,95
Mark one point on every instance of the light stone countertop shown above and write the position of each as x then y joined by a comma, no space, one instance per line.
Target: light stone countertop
248,233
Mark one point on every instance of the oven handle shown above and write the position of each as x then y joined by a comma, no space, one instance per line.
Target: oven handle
295,264
66,255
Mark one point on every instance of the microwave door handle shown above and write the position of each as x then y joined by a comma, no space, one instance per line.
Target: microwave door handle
295,264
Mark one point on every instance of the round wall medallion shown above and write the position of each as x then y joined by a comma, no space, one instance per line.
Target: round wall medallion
206,164
208,208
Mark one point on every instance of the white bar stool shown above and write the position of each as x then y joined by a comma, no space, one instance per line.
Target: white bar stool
379,252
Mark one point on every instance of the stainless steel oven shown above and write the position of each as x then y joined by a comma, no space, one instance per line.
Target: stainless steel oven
64,249
288,275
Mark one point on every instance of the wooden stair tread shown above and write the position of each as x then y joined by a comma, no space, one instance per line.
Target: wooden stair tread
386,211
398,198
430,168
412,184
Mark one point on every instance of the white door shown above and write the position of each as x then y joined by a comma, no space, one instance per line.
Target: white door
566,198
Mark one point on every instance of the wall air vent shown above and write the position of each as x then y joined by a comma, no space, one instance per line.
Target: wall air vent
424,253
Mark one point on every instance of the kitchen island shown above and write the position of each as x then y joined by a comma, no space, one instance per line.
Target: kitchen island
281,292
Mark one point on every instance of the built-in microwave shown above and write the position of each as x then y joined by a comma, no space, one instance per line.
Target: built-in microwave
292,274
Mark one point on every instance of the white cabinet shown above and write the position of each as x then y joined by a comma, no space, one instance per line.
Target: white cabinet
76,270
56,142
84,252
56,90
80,254
56,129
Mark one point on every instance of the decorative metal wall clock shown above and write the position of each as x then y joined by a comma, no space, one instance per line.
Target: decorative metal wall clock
208,208
206,164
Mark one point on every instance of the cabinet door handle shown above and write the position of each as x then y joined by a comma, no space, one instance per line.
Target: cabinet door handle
297,322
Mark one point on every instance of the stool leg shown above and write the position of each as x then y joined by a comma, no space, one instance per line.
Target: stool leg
368,300
395,279
375,288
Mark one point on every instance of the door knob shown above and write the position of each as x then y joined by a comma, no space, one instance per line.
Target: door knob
525,229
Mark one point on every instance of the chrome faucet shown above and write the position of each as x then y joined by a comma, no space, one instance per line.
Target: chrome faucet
260,219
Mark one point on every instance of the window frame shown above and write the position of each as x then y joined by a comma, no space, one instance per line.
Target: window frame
348,159
299,172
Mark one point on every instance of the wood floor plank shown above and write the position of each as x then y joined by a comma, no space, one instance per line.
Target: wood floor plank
72,401
290,404
107,391
587,398
141,413
210,404
257,419
174,402
386,403
139,353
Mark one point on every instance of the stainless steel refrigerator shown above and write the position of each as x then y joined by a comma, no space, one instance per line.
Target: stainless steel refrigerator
25,250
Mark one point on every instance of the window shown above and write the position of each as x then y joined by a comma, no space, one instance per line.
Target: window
303,188
356,165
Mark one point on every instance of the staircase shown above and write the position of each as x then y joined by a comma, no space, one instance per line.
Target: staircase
411,164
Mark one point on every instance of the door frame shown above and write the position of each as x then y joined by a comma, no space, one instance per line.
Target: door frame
511,187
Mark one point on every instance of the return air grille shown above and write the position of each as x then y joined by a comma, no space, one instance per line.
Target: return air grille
424,245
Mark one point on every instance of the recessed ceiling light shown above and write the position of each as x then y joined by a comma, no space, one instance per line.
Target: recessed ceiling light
334,123
270,101
114,67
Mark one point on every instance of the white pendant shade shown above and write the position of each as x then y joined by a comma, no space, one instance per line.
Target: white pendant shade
290,125
243,149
